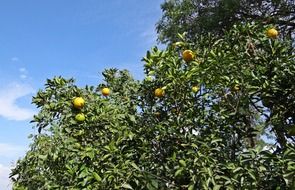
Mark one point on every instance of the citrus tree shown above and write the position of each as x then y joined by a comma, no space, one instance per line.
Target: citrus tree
216,113
197,17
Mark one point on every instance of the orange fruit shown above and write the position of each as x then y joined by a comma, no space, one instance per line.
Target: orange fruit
159,92
195,89
78,103
80,117
272,33
188,55
105,91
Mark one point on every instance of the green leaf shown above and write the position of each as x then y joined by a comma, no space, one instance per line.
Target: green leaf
127,186
96,176
155,183
151,187
42,157
178,172
252,175
289,178
182,163
237,169
135,166
191,187
132,118
217,187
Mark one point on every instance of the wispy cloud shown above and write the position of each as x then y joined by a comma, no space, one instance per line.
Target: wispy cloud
23,73
5,183
23,76
22,70
14,59
10,151
9,108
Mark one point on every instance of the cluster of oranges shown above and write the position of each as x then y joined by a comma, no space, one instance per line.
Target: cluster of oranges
79,103
187,56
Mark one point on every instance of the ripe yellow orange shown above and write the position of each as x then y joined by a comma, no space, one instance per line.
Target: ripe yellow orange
195,89
272,33
105,91
159,92
78,102
188,55
80,117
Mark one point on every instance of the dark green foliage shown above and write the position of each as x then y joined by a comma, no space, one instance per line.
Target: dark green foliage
198,17
184,140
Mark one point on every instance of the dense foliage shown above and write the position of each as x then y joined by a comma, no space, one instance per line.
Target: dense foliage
198,17
202,131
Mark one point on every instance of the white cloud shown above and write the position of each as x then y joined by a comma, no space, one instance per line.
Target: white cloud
22,76
15,59
23,73
9,151
23,70
9,108
5,183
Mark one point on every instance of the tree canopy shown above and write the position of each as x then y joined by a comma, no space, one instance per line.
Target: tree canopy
201,130
197,17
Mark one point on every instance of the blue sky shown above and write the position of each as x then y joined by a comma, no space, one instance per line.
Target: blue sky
42,39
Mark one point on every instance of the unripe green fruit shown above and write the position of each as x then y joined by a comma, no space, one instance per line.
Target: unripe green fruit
80,117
